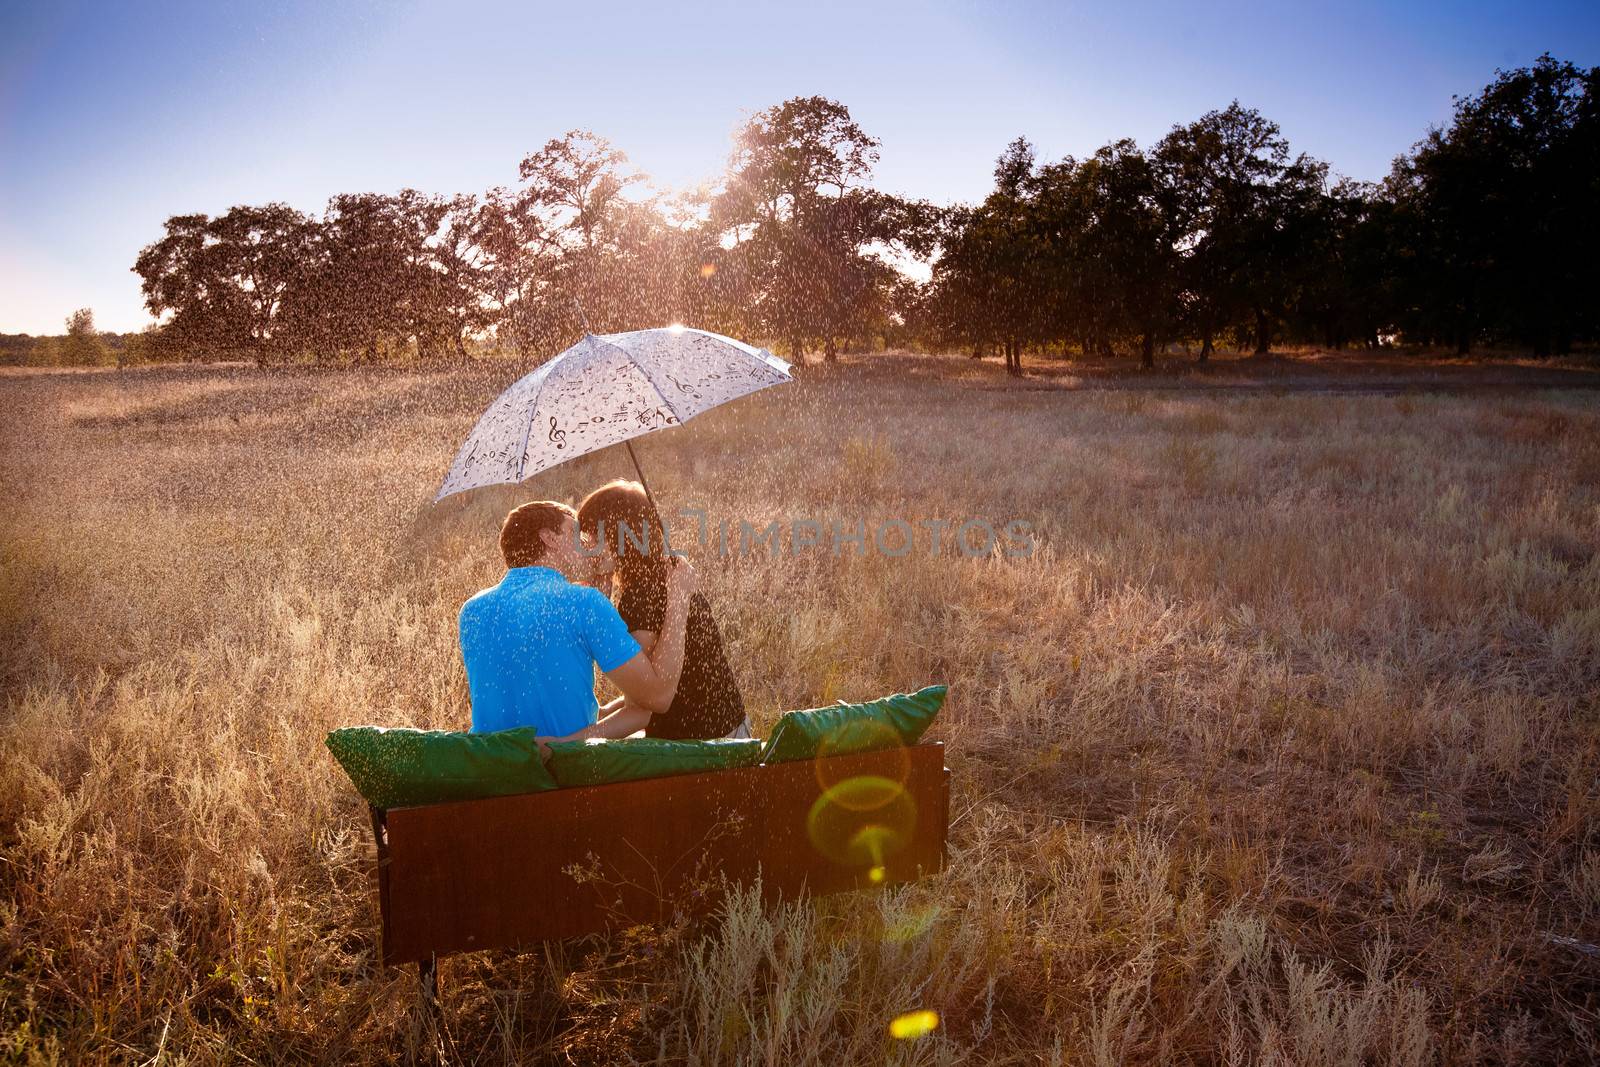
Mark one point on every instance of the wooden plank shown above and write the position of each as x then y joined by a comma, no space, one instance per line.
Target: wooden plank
883,821
516,870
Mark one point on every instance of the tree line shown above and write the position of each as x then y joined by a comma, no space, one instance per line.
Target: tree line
1217,234
82,345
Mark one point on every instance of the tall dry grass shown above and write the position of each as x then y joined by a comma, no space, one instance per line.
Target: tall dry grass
1282,748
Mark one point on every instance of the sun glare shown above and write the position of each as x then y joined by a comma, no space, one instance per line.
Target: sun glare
676,327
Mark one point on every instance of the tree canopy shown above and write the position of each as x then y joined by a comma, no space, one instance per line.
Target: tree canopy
1218,232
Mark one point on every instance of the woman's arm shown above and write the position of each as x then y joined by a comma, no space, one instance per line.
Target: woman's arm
618,719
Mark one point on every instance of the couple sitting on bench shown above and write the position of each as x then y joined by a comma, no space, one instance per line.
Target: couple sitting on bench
531,642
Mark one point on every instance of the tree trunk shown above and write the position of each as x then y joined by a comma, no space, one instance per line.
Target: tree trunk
1147,351
1263,333
1540,335
1014,358
830,351
796,353
1464,321
1205,346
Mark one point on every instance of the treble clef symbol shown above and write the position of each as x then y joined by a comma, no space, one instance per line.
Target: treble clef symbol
558,436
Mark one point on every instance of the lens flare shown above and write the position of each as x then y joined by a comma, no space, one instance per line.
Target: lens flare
862,822
862,735
707,269
913,1024
872,841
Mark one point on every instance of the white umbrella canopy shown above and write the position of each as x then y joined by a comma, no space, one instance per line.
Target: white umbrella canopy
605,390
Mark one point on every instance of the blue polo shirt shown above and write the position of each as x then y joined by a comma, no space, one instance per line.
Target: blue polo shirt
531,644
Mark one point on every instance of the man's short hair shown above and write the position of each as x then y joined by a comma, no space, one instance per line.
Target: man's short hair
520,543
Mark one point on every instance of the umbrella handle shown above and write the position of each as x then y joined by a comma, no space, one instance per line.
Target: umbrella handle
583,318
648,495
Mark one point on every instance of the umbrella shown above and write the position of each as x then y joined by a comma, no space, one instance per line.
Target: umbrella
606,390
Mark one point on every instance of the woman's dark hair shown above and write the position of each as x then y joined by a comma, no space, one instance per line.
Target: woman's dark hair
619,516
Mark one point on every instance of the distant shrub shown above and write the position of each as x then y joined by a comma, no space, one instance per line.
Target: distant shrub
83,346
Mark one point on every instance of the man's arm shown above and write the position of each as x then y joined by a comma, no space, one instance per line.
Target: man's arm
619,718
649,680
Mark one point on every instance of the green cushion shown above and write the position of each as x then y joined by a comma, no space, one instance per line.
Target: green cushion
886,722
399,768
597,761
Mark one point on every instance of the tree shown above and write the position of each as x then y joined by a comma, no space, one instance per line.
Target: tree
382,274
225,280
83,346
179,276
1483,232
256,254
1129,242
448,305
1233,183
1344,287
1498,214
692,277
139,348
512,256
573,204
797,218
987,279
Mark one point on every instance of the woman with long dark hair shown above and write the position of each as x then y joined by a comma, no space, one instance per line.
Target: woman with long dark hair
620,518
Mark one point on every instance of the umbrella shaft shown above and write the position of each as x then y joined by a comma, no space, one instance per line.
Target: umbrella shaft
644,482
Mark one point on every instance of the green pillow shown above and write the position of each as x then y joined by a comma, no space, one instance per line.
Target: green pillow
597,761
886,722
399,768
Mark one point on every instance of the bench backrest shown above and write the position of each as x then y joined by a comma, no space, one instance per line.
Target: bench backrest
515,870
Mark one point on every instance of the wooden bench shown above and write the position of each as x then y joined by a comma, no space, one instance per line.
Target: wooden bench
509,871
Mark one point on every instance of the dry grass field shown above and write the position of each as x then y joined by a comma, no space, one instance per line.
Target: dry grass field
1284,747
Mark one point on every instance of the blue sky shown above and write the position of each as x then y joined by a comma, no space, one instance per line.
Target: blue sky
114,116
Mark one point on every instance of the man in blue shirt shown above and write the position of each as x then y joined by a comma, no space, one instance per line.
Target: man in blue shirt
532,642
